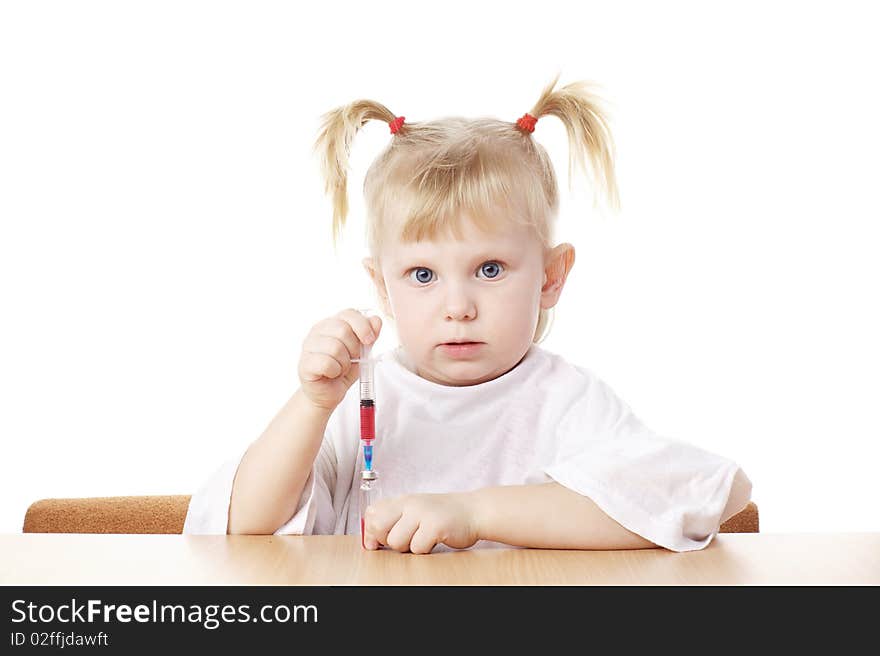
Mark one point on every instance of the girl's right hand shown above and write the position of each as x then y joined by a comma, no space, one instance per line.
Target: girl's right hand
326,370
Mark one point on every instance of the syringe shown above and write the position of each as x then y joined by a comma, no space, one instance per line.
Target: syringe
368,489
368,402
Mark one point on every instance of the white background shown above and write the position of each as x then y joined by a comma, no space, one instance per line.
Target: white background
165,242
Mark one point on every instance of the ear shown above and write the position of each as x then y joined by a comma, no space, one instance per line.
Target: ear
557,264
371,266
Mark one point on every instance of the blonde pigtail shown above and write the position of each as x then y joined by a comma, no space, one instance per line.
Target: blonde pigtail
333,146
586,124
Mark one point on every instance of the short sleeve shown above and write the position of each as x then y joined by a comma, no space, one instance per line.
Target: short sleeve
314,514
671,493
208,512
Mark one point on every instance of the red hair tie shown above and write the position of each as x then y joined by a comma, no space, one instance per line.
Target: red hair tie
396,123
527,122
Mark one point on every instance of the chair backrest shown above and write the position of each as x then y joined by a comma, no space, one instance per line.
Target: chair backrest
143,514
166,514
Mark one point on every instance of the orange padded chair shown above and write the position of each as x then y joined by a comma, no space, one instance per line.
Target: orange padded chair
165,514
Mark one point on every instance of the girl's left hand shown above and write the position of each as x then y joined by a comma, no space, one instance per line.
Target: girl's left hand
418,522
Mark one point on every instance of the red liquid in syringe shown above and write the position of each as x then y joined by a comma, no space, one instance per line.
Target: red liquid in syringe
368,420
368,430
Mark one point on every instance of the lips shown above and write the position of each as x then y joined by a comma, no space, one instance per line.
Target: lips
461,350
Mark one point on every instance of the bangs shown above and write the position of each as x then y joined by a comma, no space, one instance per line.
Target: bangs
472,178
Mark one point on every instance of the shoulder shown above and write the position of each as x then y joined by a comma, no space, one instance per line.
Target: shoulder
558,389
552,366
583,393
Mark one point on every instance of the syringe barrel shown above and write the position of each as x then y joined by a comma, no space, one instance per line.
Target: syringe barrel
365,368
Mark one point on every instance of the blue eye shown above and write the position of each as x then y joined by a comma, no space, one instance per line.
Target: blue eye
491,269
423,275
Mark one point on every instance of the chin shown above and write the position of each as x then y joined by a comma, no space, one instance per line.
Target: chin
456,373
468,373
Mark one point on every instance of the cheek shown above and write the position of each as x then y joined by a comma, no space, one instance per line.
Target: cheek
522,296
409,310
520,306
398,300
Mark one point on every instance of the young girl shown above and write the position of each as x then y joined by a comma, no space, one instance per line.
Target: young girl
482,437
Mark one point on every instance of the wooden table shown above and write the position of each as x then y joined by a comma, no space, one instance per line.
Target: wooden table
731,559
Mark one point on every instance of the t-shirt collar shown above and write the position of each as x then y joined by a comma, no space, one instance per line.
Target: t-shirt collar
402,366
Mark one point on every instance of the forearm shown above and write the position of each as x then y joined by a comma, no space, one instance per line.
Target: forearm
275,468
548,516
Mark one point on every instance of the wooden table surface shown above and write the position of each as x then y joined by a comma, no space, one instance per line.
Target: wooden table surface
732,558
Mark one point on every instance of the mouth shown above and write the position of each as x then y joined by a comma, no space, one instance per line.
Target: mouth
461,350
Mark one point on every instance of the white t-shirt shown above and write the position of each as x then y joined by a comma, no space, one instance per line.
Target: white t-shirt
543,420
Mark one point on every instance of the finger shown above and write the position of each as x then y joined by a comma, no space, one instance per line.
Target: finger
360,325
376,323
339,329
370,542
378,521
332,346
314,366
423,540
401,533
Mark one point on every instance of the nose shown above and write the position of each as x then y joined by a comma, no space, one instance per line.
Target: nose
459,304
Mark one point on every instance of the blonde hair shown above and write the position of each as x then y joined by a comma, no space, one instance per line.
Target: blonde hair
433,172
